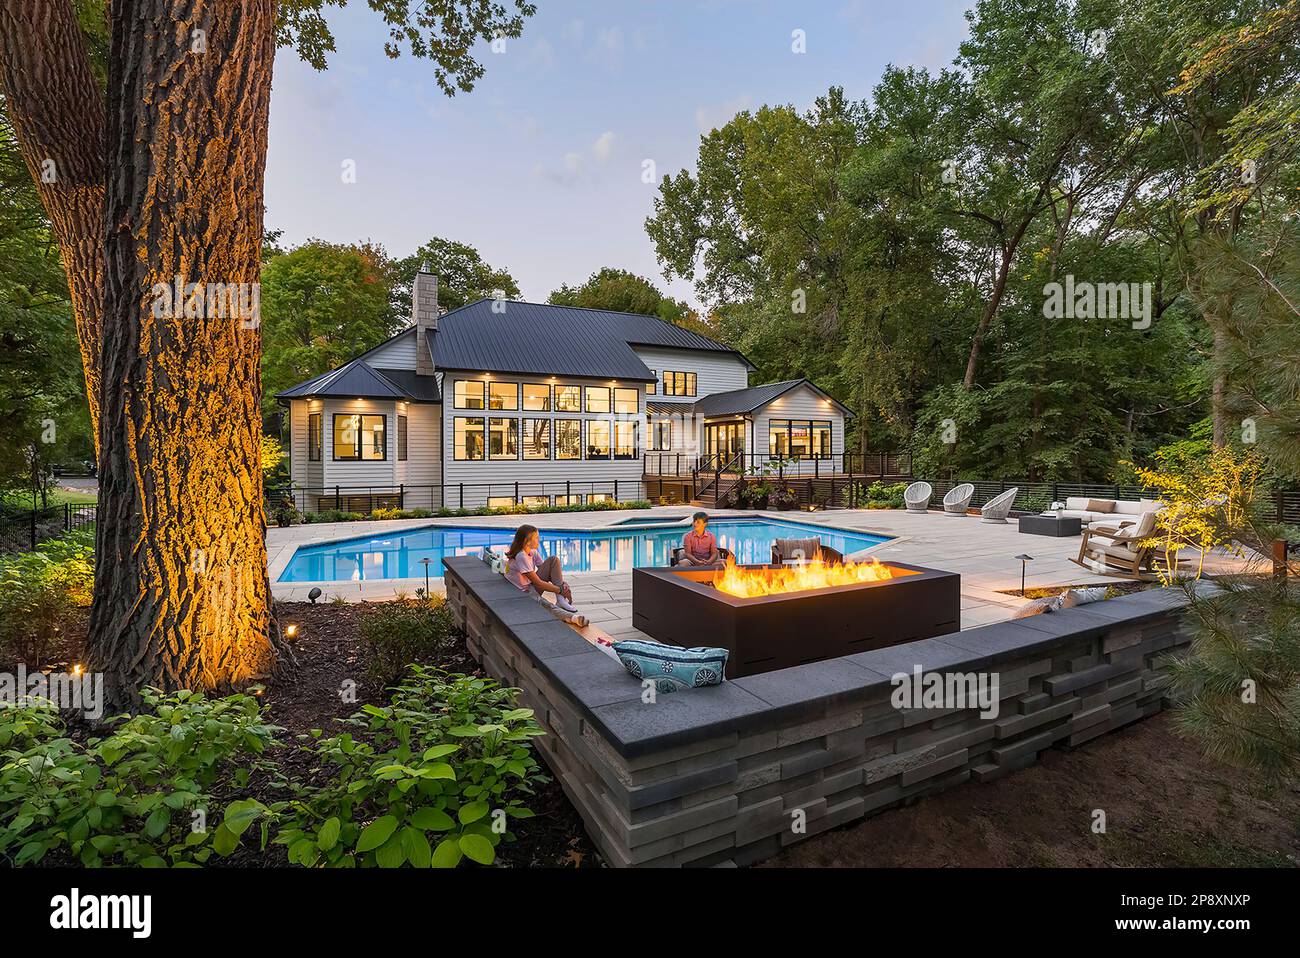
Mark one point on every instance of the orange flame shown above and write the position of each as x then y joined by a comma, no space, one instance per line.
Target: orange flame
748,583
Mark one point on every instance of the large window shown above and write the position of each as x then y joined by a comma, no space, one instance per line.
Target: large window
537,397
597,399
625,446
568,398
314,436
679,384
799,439
534,502
627,402
652,388
468,439
469,394
537,439
501,502
503,395
568,439
597,439
401,438
661,435
359,437
503,438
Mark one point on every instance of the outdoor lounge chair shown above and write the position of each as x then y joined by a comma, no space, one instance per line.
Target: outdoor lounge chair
999,507
678,551
916,497
786,550
956,502
1118,552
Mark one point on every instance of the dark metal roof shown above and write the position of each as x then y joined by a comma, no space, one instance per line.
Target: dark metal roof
540,339
666,408
739,402
358,380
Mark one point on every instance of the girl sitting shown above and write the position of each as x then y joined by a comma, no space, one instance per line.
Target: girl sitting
527,569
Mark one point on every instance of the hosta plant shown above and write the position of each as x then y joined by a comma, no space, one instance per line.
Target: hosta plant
430,780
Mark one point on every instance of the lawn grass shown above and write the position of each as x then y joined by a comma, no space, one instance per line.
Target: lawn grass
57,497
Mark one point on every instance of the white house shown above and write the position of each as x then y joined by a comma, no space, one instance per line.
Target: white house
501,402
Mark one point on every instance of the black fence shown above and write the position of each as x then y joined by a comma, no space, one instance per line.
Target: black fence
457,495
24,531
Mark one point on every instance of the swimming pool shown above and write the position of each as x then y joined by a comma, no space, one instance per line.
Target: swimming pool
398,555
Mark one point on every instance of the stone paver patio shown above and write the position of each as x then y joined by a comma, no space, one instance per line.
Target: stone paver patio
982,553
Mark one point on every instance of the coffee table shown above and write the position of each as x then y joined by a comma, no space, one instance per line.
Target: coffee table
1051,525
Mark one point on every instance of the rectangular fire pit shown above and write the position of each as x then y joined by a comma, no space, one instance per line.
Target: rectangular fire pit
769,632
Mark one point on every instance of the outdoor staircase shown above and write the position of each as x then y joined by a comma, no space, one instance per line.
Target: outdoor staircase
709,498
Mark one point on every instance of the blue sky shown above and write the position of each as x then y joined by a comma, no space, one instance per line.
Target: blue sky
540,166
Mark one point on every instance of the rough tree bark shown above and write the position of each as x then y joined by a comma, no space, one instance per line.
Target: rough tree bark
182,598
57,111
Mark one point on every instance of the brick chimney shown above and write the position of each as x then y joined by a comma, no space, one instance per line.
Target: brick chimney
424,311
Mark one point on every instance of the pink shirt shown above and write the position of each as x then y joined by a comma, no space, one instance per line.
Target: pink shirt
699,547
517,569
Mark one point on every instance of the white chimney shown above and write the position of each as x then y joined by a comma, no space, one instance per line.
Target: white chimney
424,311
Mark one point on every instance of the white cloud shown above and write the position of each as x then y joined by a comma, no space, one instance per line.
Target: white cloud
709,118
603,146
579,166
608,48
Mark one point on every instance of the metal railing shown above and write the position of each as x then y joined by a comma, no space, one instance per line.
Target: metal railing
24,531
873,464
363,499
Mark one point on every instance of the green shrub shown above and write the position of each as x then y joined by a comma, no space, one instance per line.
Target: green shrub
429,780
404,632
39,591
140,796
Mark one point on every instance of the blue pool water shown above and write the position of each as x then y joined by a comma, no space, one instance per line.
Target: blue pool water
398,556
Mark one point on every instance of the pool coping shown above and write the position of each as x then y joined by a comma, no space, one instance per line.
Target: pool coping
277,566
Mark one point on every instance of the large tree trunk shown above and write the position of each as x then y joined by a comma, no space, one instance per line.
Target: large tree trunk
57,111
182,598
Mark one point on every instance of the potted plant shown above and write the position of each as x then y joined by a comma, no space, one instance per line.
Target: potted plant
758,495
285,516
785,499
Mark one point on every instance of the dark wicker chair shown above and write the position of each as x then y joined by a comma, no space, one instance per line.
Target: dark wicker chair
679,551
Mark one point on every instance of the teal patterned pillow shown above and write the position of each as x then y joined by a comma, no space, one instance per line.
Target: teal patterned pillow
672,668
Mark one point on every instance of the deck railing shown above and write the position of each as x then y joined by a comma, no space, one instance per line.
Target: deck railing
757,465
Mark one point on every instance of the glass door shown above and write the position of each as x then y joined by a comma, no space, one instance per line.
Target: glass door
726,440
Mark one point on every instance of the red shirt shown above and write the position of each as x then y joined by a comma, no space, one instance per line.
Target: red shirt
699,546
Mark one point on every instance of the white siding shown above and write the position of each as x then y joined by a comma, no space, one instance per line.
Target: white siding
398,354
714,372
423,467
303,472
801,403
497,478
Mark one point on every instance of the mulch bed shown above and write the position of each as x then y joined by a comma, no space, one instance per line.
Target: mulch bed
330,652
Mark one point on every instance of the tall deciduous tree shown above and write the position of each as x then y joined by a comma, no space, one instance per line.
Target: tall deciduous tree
171,186
322,304
463,276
